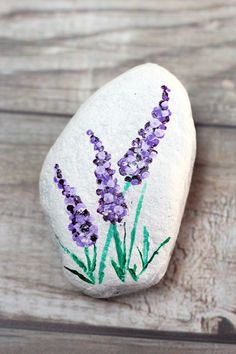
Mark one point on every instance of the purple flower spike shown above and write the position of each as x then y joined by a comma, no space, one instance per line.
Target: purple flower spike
112,205
134,165
84,232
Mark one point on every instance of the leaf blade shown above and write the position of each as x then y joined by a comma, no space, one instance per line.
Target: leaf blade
94,260
102,264
86,251
124,244
137,214
157,250
132,272
118,244
118,270
81,276
73,256
146,244
141,256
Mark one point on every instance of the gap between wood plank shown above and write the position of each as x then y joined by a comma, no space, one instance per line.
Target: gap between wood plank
118,332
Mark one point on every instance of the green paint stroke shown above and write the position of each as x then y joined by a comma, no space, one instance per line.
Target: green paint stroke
124,243
121,254
146,244
122,266
91,265
81,276
126,186
148,261
73,256
111,232
94,260
86,251
119,247
132,272
144,254
157,251
118,271
134,229
102,265
88,270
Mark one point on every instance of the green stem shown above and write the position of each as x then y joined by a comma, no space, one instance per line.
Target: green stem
86,251
110,233
89,264
124,244
126,186
94,260
119,247
133,232
102,265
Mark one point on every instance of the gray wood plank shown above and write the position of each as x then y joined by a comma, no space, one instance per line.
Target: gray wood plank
198,291
55,54
27,342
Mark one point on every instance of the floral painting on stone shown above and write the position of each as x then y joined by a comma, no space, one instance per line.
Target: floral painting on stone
112,205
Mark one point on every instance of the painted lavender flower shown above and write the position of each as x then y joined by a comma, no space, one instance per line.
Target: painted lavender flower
135,163
84,232
134,166
111,202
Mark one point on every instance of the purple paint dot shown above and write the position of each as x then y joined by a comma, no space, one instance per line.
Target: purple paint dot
135,163
89,132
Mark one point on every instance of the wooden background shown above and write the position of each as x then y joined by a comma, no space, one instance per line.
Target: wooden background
55,54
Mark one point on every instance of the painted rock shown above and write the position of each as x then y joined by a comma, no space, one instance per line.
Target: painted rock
115,183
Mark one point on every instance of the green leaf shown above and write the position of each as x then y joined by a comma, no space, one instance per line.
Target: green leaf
81,276
118,243
132,272
94,260
78,261
157,250
146,244
141,256
137,214
102,265
73,256
124,244
118,270
86,251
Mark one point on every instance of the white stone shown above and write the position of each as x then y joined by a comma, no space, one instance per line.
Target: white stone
115,113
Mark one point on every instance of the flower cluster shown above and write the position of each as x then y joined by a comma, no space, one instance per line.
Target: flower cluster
84,232
111,202
135,163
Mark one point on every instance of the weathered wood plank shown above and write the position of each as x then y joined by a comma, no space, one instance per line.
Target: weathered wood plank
27,342
54,55
198,291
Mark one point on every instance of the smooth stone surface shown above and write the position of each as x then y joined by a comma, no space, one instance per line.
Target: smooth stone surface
115,113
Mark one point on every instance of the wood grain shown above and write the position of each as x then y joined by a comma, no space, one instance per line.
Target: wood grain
198,291
38,342
55,54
